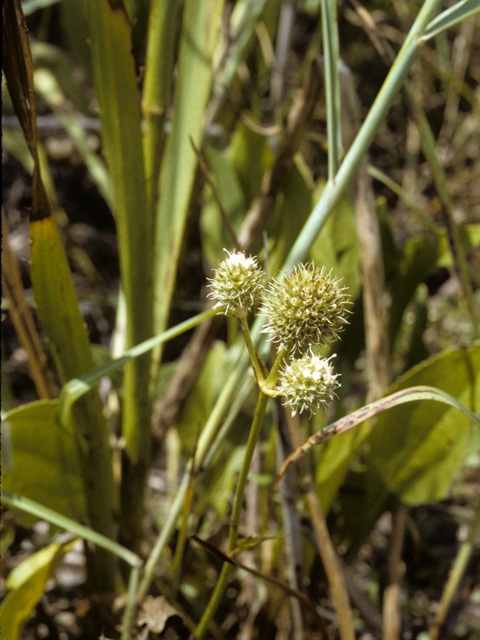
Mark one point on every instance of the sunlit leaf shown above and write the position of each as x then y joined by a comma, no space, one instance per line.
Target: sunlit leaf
26,584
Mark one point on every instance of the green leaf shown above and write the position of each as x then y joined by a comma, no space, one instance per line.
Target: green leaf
56,298
29,6
118,98
26,584
39,460
218,480
201,24
48,86
70,92
417,448
57,301
450,17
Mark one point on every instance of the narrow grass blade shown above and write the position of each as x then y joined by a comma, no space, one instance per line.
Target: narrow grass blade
118,97
77,387
332,85
201,23
43,513
450,17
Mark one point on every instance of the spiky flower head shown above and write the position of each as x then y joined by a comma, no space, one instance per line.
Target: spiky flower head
306,309
307,383
237,284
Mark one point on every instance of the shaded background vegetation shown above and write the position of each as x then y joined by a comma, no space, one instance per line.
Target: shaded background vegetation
402,537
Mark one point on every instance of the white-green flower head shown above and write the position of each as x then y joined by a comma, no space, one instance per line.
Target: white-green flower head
237,285
308,308
307,383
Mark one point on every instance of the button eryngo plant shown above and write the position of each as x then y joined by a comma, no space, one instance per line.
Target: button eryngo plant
306,309
307,383
237,285
303,311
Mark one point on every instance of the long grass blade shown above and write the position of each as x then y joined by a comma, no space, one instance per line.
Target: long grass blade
118,97
200,27
450,17
49,515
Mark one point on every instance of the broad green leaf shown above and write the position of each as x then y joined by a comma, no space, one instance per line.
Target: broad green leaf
73,16
57,301
26,584
62,320
118,98
417,448
39,460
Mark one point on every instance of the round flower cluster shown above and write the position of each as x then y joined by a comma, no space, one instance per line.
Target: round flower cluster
307,383
307,308
237,285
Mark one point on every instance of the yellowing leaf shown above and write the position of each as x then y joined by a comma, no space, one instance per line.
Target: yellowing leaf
27,584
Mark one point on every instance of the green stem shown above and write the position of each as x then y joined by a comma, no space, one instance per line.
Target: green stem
237,509
257,364
332,86
130,608
272,377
